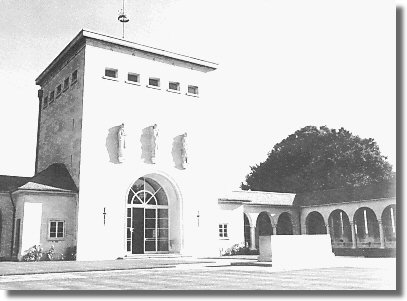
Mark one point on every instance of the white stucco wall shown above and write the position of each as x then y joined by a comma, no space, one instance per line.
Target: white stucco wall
36,210
232,215
104,181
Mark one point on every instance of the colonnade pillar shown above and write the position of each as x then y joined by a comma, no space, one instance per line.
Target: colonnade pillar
252,238
274,229
381,233
352,227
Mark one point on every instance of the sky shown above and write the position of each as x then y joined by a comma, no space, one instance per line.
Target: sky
283,65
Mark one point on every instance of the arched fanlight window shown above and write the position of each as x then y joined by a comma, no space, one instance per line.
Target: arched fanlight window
146,192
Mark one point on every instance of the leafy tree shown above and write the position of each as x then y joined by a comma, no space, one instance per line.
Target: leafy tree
318,159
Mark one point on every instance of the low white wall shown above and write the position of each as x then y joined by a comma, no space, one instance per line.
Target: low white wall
297,251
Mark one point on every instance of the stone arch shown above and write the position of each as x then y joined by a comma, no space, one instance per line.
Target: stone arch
263,226
167,215
366,228
389,224
315,223
285,224
340,229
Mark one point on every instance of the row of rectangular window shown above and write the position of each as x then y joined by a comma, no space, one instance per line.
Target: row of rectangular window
152,81
47,101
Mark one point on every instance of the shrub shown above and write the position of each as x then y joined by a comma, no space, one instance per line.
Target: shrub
50,253
237,249
33,254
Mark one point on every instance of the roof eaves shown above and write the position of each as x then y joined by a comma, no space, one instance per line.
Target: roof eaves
226,200
84,33
181,57
75,40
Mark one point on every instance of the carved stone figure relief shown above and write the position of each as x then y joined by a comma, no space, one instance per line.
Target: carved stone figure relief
184,151
154,143
121,139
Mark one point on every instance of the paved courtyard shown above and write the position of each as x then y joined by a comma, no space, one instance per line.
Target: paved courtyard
345,274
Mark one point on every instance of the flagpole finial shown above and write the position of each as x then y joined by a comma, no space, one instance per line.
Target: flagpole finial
123,18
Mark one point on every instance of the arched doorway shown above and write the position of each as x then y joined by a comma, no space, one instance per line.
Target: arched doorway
389,225
284,224
366,228
247,240
340,229
263,226
315,223
147,223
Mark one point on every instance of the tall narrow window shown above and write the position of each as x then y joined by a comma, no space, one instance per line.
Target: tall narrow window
51,97
45,102
66,83
59,90
74,77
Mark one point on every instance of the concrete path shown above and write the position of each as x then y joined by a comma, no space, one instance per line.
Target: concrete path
199,274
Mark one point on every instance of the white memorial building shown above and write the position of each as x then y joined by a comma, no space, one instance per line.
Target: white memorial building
122,168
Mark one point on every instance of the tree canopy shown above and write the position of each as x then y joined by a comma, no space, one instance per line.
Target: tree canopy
318,159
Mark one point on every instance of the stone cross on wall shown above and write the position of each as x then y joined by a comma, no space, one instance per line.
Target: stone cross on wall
104,215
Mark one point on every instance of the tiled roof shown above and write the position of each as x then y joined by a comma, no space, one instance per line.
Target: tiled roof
9,183
345,195
260,198
55,177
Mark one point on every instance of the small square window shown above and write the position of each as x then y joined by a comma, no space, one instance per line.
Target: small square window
74,77
155,82
173,86
56,229
59,90
193,90
51,97
66,83
133,77
45,102
223,230
111,73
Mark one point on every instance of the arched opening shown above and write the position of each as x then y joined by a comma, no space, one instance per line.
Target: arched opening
284,224
247,240
152,216
366,228
315,223
389,225
340,229
263,226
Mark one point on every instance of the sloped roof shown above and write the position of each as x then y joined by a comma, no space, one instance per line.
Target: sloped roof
259,198
9,183
346,195
55,177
